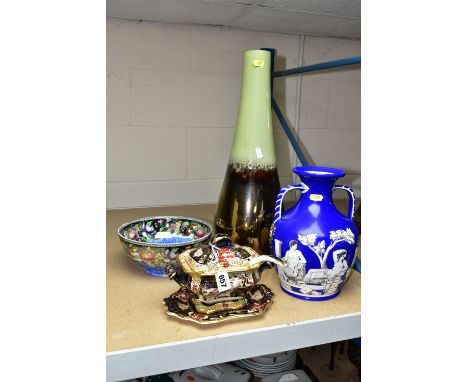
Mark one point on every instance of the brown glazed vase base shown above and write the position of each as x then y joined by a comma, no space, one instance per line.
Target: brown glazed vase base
246,205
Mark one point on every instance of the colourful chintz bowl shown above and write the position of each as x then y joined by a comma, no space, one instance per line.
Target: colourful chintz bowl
154,242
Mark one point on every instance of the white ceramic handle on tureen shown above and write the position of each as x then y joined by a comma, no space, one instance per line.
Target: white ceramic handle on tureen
265,259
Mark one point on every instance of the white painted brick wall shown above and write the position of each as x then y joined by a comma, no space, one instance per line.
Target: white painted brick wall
172,99
184,99
330,117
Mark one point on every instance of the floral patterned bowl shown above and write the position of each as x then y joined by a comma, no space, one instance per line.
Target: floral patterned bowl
154,242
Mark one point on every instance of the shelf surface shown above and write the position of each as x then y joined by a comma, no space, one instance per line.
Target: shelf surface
143,340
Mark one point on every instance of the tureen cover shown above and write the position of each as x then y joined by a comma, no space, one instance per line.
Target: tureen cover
208,260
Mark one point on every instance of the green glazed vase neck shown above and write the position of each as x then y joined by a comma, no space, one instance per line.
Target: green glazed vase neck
253,139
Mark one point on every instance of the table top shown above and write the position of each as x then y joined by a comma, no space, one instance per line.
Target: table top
136,317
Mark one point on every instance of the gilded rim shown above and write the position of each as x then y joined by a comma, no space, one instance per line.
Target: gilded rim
215,321
228,314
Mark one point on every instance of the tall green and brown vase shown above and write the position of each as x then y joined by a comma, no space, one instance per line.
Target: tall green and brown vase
246,204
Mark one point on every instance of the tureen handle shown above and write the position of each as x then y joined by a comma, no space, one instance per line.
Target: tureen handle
266,259
221,237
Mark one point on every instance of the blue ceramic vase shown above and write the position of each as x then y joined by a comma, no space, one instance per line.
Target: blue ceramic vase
315,240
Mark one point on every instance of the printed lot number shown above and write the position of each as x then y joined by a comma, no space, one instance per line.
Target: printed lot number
222,281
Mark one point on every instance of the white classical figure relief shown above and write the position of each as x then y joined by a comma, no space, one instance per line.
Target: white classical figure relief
295,262
324,280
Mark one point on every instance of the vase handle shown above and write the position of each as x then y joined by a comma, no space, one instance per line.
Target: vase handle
282,193
352,199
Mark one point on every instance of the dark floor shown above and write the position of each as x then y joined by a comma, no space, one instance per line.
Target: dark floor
317,360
